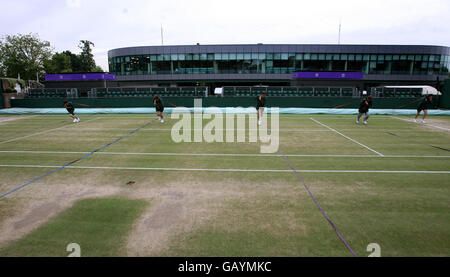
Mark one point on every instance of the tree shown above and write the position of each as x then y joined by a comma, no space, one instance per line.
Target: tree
25,55
87,62
98,69
60,63
75,63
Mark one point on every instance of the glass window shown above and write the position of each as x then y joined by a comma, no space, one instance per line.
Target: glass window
240,56
314,57
336,57
358,57
284,56
329,57
166,57
127,59
366,57
203,57
344,57
210,57
418,58
425,58
159,57
380,58
181,57
373,57
225,56
262,56
321,57
247,56
174,57
218,56
411,57
396,57
277,56
269,56
233,56
431,58
403,57
189,57
306,56
299,57
388,57
254,56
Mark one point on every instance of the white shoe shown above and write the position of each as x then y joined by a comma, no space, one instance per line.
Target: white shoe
162,120
259,122
74,121
78,120
415,120
423,121
365,122
357,121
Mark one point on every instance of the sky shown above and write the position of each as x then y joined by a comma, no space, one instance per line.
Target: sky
111,24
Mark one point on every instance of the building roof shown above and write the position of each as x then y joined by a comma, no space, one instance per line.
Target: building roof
282,48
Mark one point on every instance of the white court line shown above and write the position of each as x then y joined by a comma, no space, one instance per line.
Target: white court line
222,154
43,132
281,130
230,169
167,129
438,127
349,138
14,118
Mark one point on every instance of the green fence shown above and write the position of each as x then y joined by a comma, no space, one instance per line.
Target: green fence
1,98
445,98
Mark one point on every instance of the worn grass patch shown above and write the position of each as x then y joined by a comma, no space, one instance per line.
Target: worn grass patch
99,226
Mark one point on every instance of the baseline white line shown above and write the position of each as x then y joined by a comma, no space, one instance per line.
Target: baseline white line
349,138
230,169
44,132
427,124
223,154
14,118
166,129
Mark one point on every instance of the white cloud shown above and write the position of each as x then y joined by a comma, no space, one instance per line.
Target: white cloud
73,3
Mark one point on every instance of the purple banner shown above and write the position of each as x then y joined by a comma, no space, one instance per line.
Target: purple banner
80,77
328,75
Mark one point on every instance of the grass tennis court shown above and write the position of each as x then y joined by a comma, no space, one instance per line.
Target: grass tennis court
386,183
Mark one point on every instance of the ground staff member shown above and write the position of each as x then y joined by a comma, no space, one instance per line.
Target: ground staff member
364,107
424,106
71,109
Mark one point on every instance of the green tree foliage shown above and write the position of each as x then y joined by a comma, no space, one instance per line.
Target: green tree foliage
98,69
60,63
28,56
86,57
75,63
25,55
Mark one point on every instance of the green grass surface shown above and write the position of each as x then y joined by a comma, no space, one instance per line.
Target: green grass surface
99,226
251,213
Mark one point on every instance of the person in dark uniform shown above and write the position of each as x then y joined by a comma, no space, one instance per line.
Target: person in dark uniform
424,106
260,105
159,108
71,109
364,107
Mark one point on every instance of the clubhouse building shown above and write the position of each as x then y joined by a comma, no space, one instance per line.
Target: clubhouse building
360,66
